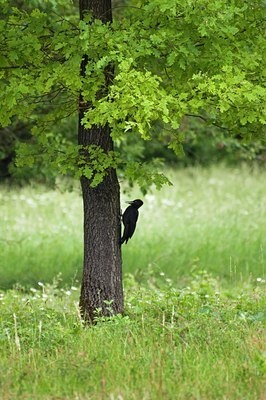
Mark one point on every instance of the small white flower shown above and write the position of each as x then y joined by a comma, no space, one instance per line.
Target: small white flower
167,202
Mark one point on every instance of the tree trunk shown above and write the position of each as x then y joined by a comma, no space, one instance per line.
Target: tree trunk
101,288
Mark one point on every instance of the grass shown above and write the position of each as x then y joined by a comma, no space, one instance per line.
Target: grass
41,235
194,325
211,219
190,343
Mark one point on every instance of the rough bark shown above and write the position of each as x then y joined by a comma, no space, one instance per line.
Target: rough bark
102,274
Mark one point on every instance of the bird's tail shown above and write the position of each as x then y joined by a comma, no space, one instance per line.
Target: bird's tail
123,240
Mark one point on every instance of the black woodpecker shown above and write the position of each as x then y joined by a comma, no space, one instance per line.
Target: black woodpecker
130,218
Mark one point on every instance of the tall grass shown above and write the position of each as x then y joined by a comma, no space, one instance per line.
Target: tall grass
190,343
211,219
41,235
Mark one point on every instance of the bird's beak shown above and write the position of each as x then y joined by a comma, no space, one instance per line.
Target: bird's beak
129,202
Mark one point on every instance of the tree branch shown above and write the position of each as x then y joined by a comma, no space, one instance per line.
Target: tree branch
208,121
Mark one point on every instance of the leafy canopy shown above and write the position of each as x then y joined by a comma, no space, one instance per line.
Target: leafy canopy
172,58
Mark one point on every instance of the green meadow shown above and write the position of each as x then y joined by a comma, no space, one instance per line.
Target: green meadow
211,219
194,280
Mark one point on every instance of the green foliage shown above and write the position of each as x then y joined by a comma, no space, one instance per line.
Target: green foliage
94,163
171,59
144,176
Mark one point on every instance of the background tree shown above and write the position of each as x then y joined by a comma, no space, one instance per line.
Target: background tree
157,64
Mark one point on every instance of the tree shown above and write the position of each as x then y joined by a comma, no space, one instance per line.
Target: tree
158,62
102,276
